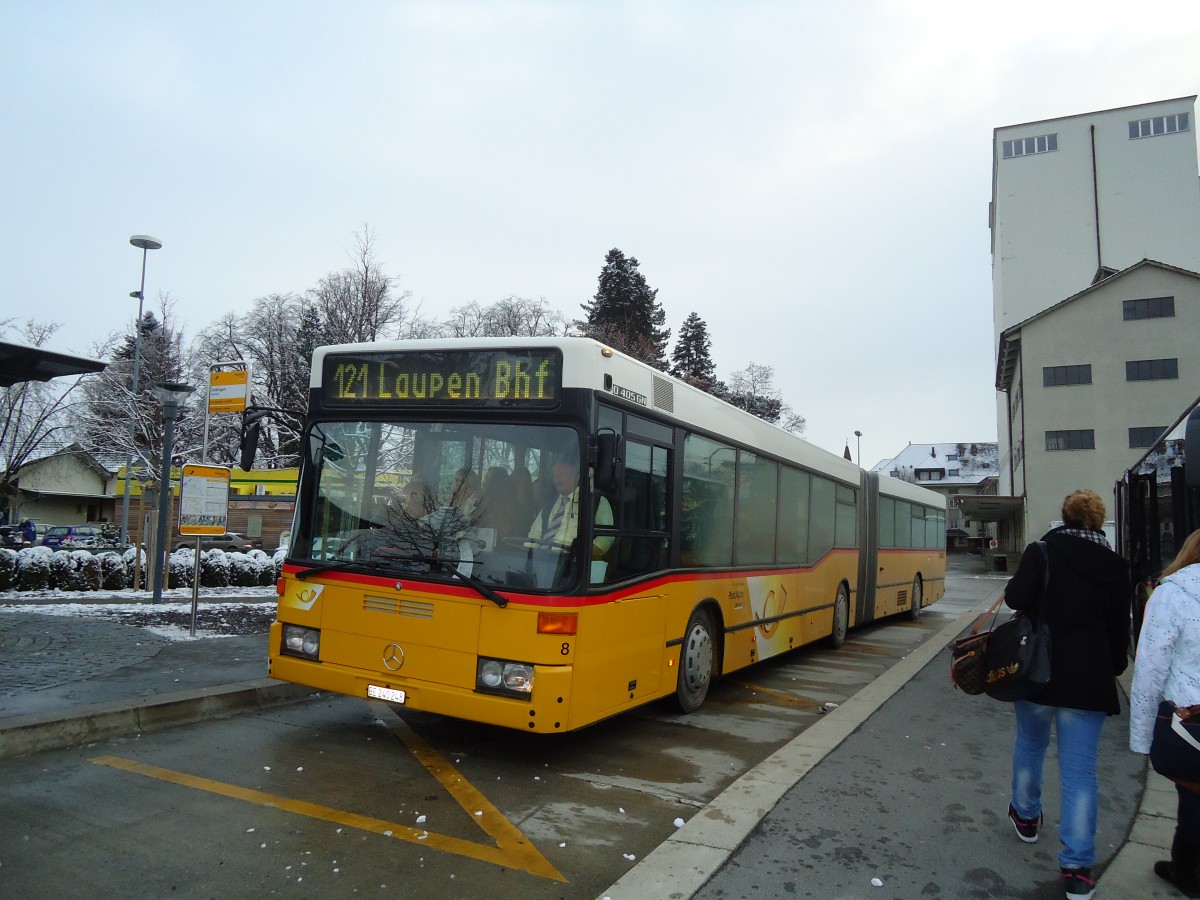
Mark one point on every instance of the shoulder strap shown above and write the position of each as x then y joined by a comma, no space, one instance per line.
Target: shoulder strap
993,611
1041,545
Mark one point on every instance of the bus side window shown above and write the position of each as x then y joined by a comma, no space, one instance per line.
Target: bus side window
707,526
821,522
793,517
758,491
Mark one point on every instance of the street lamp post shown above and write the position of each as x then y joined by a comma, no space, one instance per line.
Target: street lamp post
858,438
171,395
146,243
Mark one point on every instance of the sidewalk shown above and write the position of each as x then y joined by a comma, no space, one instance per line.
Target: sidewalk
71,679
902,792
906,783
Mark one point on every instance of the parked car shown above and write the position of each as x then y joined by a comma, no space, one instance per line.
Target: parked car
10,537
78,535
230,540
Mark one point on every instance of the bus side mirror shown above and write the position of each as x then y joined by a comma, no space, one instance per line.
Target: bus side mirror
1191,449
251,429
608,461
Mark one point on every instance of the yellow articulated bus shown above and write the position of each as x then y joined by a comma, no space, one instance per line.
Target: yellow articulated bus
541,533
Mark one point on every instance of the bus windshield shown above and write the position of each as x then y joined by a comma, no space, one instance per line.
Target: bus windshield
444,500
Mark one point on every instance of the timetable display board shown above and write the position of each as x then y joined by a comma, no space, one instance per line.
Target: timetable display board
204,500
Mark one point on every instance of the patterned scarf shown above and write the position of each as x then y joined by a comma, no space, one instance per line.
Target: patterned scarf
1096,537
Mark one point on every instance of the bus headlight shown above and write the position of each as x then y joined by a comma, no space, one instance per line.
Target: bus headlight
497,676
301,641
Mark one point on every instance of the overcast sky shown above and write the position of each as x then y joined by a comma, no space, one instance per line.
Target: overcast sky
811,178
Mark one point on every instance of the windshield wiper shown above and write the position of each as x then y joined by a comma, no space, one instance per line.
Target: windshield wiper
375,565
343,564
499,599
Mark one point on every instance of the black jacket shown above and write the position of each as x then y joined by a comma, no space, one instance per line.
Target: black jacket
1087,608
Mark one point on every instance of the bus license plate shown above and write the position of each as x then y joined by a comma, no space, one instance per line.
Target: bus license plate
382,693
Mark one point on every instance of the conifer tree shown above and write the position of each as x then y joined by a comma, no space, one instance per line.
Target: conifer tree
625,312
691,360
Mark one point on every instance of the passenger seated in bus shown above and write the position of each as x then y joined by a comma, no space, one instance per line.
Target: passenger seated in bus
464,492
497,507
418,498
524,506
557,524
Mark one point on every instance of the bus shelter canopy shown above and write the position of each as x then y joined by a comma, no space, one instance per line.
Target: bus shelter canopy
19,363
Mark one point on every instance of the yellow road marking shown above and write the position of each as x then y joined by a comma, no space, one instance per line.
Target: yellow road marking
506,835
511,848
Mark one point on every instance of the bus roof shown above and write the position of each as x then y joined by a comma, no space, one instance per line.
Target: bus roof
590,364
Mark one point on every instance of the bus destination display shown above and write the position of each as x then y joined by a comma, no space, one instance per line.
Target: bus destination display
443,378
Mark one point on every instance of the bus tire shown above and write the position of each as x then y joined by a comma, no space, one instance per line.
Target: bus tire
696,661
917,596
841,617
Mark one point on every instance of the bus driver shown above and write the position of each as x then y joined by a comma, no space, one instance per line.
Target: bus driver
558,524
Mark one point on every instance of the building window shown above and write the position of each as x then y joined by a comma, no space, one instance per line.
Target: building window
1076,439
1151,369
1056,376
929,474
1149,308
1143,128
953,473
1145,435
951,457
1044,143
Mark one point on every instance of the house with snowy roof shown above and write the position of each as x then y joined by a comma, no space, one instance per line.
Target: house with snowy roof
954,470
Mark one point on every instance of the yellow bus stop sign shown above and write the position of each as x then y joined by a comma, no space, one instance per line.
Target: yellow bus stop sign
228,391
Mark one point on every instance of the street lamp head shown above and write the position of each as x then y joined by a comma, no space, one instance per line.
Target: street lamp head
145,242
136,295
171,393
858,434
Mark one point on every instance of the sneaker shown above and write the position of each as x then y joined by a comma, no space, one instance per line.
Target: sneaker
1078,883
1027,829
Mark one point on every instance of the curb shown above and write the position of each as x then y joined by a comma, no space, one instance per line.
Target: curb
20,735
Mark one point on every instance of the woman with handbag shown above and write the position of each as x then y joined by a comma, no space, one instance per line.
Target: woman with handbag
1164,713
1085,602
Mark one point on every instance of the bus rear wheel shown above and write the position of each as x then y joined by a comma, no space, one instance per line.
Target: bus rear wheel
841,617
917,595
696,658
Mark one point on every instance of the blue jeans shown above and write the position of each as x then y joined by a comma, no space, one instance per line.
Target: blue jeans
1078,743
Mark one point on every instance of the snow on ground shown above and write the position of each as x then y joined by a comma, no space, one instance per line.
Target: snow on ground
228,612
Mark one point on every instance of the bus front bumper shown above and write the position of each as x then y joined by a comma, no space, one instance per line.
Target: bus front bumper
545,712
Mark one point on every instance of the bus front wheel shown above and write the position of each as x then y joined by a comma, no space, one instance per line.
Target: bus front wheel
914,610
841,617
695,662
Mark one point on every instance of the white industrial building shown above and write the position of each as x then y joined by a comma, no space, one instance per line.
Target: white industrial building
1095,228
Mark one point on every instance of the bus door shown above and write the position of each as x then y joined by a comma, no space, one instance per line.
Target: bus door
633,521
868,542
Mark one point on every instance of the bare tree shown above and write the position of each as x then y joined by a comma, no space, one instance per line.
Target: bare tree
276,339
33,414
361,303
753,389
510,317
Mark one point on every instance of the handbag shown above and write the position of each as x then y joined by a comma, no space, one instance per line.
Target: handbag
968,667
1175,751
1018,652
